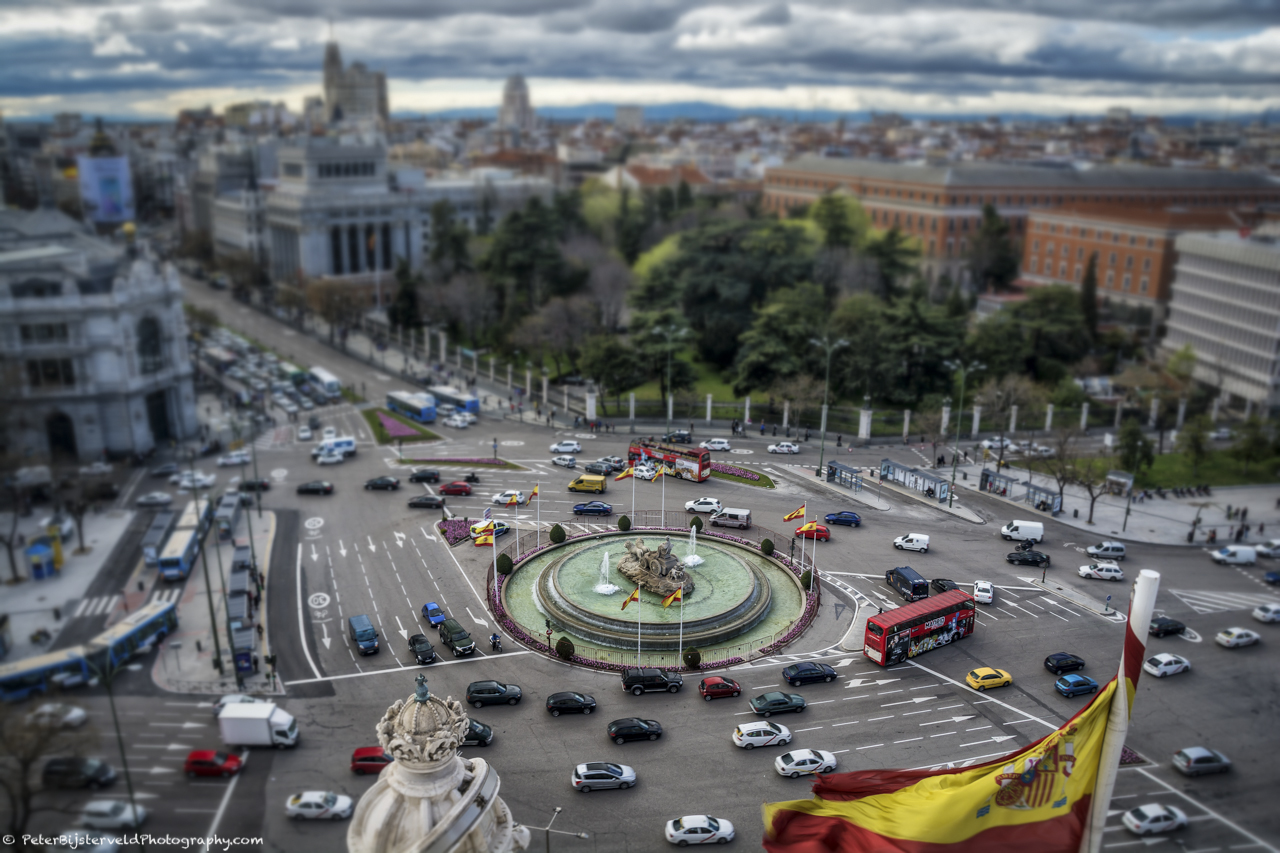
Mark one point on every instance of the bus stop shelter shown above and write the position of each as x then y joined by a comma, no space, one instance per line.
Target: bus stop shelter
997,483
844,475
1044,498
930,485
1120,483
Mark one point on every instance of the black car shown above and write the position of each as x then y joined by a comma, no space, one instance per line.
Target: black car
570,703
426,502
593,508
943,584
478,734
316,487
650,680
255,485
1060,662
481,693
598,468
421,649
383,483
1163,626
774,702
808,672
680,436
844,516
1028,558
313,422
634,728
424,476
168,469
78,773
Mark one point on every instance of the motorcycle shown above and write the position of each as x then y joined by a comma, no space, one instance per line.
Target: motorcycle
472,477
40,635
495,645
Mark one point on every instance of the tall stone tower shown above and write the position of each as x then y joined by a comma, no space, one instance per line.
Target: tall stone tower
516,113
332,75
431,797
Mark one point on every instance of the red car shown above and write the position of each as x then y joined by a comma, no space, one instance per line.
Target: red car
718,687
818,531
211,762
457,487
369,759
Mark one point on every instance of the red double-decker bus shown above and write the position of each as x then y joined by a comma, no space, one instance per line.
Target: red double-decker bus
688,463
915,628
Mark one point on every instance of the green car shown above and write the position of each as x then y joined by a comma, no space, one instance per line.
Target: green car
774,702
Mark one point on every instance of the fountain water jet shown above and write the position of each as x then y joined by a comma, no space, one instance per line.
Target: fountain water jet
604,587
691,557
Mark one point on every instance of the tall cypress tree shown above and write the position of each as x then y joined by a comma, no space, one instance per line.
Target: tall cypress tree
1089,297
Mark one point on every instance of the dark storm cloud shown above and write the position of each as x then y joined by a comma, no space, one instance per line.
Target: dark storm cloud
775,16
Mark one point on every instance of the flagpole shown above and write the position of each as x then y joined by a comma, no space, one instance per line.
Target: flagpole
637,626
537,535
1141,606
681,655
633,487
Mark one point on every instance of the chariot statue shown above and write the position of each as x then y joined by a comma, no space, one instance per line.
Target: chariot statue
658,571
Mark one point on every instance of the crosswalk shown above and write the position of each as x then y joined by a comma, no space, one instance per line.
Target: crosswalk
98,605
168,595
1208,601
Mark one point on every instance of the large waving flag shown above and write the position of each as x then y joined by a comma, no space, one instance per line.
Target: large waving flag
512,501
807,528
1044,797
635,596
486,539
678,595
630,472
793,515
534,493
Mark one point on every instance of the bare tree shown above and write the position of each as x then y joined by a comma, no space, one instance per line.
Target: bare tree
334,301
1090,474
998,398
803,392
929,425
1061,465
608,277
24,745
469,301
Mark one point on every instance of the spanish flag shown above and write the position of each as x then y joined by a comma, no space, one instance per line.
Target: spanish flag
486,539
807,528
678,595
534,493
487,527
511,501
635,596
630,472
799,513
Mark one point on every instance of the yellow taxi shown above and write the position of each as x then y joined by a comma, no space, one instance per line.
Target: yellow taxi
983,677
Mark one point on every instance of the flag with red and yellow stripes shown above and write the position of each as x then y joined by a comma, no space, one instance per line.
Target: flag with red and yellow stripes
534,493
793,515
634,596
630,472
512,501
678,595
486,539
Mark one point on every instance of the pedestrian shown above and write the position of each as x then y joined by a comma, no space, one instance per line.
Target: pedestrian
260,631
762,436
257,599
806,435
838,439
1239,534
1244,514
775,430
1213,535
1229,511
1262,529
255,663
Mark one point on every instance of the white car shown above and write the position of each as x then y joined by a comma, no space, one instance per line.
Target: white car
1165,664
319,805
912,542
199,481
155,499
234,699
566,447
1222,434
66,525
232,460
290,408
800,762
1267,613
1153,817
304,433
984,592
455,421
96,468
783,447
702,505
57,715
505,497
761,733
698,829
1233,638
111,814
644,472
565,461
994,443
330,459
716,444
1102,571
329,432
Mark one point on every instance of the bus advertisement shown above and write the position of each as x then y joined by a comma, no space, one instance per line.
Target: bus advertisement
687,463
915,628
460,400
326,381
414,405
179,554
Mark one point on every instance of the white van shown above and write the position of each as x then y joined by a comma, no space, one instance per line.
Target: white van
1021,530
730,517
1235,555
343,444
912,542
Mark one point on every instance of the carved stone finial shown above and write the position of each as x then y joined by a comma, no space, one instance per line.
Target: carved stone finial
422,694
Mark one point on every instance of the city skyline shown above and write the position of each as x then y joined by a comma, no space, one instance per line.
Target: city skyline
148,60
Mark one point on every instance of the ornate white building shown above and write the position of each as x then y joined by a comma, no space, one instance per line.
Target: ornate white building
93,343
516,113
431,798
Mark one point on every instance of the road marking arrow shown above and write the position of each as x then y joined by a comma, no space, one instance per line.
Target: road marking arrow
474,619
154,770
403,632
915,701
996,739
844,662
399,537
427,536
325,638
314,556
342,549
187,725
952,720
372,547
860,682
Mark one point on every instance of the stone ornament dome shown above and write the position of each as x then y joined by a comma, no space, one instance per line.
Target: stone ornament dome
423,735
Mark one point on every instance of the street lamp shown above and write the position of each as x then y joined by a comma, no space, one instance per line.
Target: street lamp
107,678
829,346
204,565
670,332
964,370
548,830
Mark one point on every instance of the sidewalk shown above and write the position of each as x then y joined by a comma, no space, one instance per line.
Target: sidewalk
185,662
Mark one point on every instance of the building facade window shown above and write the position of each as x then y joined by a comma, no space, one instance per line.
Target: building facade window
51,373
44,333
1111,278
1142,285
1062,270
1112,259
1079,272
1128,262
1128,280
1035,265
1035,245
1146,265
150,346
1080,253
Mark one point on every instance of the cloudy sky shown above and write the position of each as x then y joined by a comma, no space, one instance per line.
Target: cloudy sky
152,57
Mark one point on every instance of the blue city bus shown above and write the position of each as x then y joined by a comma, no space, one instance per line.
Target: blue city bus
24,678
417,406
132,636
460,400
179,554
325,381
198,514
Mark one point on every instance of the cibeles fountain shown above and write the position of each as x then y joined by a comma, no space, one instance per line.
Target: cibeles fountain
731,594
430,797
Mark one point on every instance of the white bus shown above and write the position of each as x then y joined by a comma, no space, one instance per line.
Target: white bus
325,380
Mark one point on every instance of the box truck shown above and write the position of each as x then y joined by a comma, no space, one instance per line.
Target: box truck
257,724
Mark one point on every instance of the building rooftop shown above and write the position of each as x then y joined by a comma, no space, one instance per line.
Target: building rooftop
1167,218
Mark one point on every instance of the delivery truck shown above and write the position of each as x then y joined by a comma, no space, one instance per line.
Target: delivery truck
257,724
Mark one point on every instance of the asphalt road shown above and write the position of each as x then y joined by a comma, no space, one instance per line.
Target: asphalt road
914,716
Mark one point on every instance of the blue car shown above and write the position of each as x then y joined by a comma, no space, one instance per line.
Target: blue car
1272,577
1075,684
845,517
593,508
432,613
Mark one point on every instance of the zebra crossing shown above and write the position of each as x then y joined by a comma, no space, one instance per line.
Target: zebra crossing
1208,601
98,605
166,595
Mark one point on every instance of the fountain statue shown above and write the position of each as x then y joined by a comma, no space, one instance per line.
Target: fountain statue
691,557
658,571
604,587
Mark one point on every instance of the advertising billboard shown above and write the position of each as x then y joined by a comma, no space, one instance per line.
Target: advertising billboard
106,189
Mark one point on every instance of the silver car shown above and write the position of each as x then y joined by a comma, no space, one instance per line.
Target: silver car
602,774
1197,761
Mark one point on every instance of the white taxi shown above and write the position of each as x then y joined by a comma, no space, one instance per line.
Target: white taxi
1267,613
319,805
802,762
698,829
1165,664
1234,638
716,444
1153,817
1103,571
784,447
984,592
761,733
504,498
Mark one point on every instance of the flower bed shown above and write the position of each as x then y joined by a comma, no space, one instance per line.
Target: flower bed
454,530
395,429
388,427
461,460
734,471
